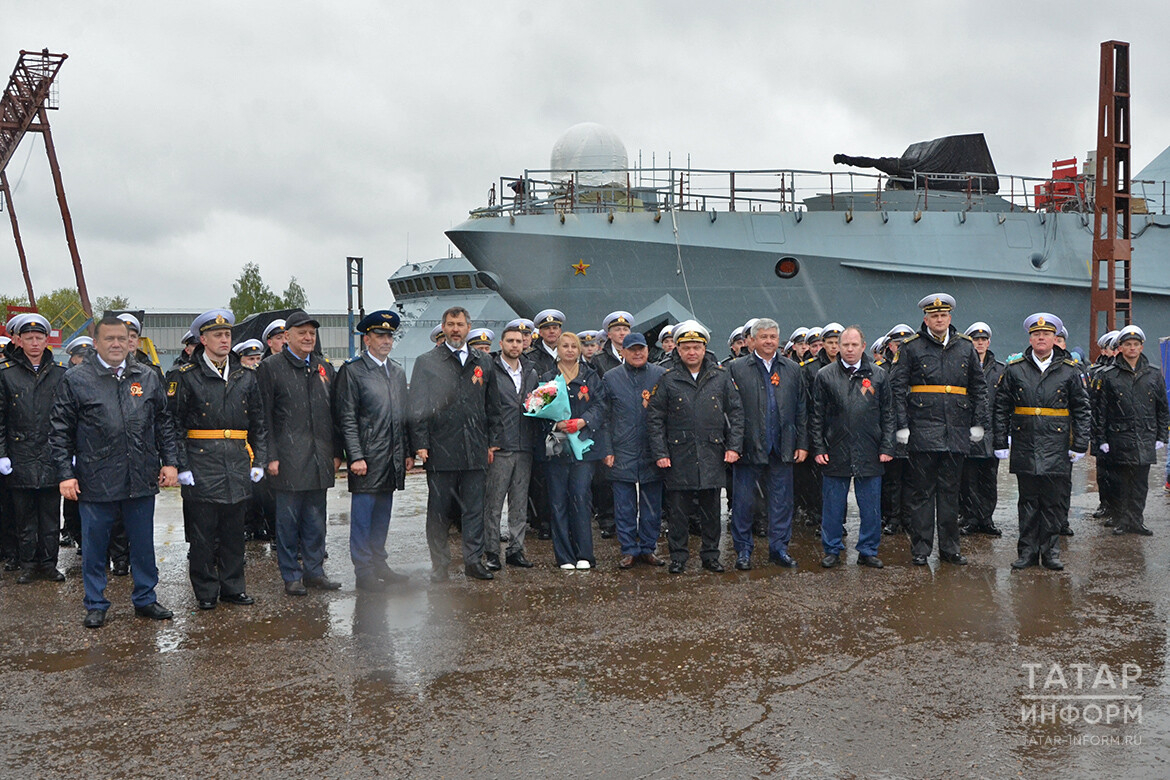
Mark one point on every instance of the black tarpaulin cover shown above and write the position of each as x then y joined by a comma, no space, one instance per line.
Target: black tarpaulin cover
950,154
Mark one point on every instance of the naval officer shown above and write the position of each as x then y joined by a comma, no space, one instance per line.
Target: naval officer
981,468
616,325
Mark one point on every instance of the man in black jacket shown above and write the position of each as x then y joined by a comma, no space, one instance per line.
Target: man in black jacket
370,408
978,492
771,389
852,433
28,385
542,355
695,426
454,421
296,386
1042,405
217,411
511,465
111,415
940,399
1130,419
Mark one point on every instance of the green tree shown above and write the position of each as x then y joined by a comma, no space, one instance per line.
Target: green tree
295,296
12,300
62,308
110,303
252,294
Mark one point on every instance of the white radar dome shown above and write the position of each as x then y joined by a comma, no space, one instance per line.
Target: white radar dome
593,147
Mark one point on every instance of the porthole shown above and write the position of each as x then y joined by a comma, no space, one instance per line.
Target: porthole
787,267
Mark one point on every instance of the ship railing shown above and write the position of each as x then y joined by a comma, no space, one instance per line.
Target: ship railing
704,189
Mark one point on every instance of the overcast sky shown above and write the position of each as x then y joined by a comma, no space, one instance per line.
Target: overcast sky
195,137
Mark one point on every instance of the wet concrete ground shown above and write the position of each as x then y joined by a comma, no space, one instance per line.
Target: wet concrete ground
903,672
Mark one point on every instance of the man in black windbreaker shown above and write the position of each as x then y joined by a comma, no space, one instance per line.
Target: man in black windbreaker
695,426
216,406
852,433
1042,405
454,422
28,386
296,386
111,416
370,409
940,399
979,493
1130,419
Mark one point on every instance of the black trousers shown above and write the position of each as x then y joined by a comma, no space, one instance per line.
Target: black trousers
39,513
979,492
452,494
120,542
1108,485
260,516
933,498
603,500
9,525
1133,484
71,515
687,506
217,548
1043,509
539,511
893,493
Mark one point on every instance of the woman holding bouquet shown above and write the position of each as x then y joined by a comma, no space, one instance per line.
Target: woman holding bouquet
569,479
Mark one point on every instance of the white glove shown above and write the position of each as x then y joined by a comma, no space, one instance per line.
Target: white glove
186,478
6,466
1159,445
902,435
1104,448
976,434
1002,454
1075,456
256,473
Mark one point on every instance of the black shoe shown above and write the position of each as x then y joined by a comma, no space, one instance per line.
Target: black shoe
829,561
249,536
518,559
262,536
52,575
966,530
370,583
154,611
121,569
322,583
296,588
608,533
743,563
207,603
27,576
957,559
918,560
782,559
1052,562
544,534
714,566
11,564
491,562
242,599
1120,530
94,618
992,530
66,541
1024,562
478,571
890,530
1141,530
872,561
1109,522
677,567
1066,531
760,532
389,576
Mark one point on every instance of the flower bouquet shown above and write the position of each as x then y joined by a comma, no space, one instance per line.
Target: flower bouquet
550,401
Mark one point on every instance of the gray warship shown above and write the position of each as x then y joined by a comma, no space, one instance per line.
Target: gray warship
592,234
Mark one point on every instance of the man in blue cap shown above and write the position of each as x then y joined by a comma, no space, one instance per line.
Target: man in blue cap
370,408
1041,403
223,449
28,384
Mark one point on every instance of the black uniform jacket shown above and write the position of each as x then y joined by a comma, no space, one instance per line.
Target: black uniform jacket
605,360
370,408
787,381
1047,415
455,409
119,430
1130,411
517,432
297,398
951,394
694,422
201,401
852,419
26,401
992,370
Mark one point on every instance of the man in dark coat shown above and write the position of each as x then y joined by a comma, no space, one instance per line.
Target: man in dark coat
940,399
894,516
978,491
1042,405
111,416
28,385
852,432
635,479
542,355
1130,420
771,389
218,413
303,452
1106,480
617,326
511,465
371,410
695,426
454,422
